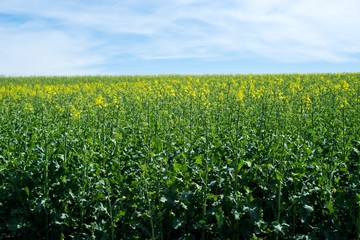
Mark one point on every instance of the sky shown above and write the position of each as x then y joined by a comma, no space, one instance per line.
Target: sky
126,37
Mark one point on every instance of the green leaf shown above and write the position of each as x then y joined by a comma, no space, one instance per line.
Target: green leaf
98,196
279,175
202,222
198,160
26,189
240,165
236,215
180,167
308,208
176,223
278,228
330,207
219,215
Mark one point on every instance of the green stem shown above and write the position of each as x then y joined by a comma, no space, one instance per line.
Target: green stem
46,185
278,206
112,227
206,173
204,200
149,206
278,203
358,224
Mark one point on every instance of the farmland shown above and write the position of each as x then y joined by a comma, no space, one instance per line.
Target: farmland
180,157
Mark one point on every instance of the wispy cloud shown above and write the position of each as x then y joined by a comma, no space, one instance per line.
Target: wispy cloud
45,53
84,37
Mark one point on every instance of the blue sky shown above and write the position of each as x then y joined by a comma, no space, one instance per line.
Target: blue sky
88,37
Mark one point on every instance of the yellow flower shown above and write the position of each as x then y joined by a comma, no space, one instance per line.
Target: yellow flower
115,100
337,87
295,87
345,85
100,101
282,97
28,107
344,103
306,100
59,108
240,95
75,113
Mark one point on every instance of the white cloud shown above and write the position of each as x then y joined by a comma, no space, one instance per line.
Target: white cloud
75,37
45,53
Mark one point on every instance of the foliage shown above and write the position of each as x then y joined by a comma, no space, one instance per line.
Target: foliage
180,157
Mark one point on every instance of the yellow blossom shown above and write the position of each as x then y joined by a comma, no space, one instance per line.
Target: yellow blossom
100,101
75,113
345,85
240,95
306,100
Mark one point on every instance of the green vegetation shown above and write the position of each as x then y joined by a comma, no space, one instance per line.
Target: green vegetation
180,157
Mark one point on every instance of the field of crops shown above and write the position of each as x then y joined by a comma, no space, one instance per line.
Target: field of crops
180,157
